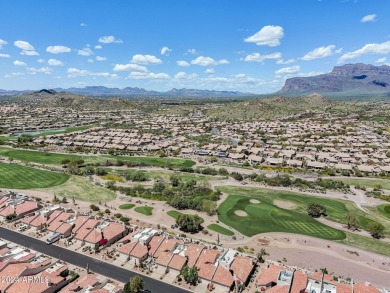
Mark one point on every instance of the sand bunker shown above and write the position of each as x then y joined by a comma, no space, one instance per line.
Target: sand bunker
288,205
240,213
254,201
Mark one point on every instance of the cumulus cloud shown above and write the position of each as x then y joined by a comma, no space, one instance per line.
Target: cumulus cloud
99,58
165,50
58,49
2,43
369,18
41,61
75,72
381,60
4,56
208,61
148,75
269,35
24,45
19,63
182,63
55,62
288,70
109,39
183,75
257,57
85,52
146,59
44,70
209,70
321,52
98,47
130,67
381,48
27,48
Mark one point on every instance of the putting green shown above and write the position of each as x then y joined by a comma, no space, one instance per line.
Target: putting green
144,210
21,177
267,217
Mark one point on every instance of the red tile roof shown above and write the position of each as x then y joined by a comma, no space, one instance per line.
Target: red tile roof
344,288
299,282
278,289
269,275
164,258
177,262
365,288
223,277
154,244
193,252
168,245
242,267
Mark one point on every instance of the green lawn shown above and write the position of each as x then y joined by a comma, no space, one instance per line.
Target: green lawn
366,243
370,183
144,210
127,206
82,189
384,209
21,177
221,230
55,158
175,214
267,217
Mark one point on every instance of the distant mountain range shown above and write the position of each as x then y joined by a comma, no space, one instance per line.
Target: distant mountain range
101,91
353,80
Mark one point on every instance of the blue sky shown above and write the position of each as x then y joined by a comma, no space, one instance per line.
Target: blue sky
246,45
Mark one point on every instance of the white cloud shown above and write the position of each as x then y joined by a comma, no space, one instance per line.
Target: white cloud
82,24
2,42
24,45
150,75
209,70
289,61
146,59
183,75
369,18
55,62
288,70
208,61
130,67
269,35
98,47
45,70
109,39
165,50
105,74
321,52
381,48
257,57
192,51
4,56
90,60
85,52
381,60
182,63
58,49
19,63
41,61
99,58
29,53
75,72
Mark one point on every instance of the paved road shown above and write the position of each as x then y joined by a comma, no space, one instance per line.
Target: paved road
81,260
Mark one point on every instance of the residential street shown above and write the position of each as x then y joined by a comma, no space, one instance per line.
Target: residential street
99,267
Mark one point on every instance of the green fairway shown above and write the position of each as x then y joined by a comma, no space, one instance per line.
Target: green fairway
221,230
81,188
370,183
384,209
20,177
127,206
144,210
267,217
55,158
36,157
367,243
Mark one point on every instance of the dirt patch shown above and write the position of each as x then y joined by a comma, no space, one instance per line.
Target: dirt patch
288,205
263,242
240,213
255,201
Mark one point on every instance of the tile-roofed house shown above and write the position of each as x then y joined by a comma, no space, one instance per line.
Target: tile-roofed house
86,229
154,244
206,263
223,278
242,268
344,288
192,253
167,245
299,283
365,288
20,209
269,277
177,262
